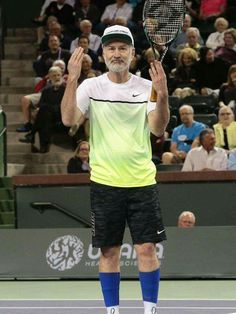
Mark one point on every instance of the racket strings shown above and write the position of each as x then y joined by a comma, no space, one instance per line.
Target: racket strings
162,20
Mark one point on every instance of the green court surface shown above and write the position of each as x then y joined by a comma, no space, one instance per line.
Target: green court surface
130,290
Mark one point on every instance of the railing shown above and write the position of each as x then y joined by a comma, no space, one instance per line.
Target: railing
162,177
2,34
207,194
3,144
42,206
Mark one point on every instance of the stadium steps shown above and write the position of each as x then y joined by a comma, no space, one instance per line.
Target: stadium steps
18,79
7,210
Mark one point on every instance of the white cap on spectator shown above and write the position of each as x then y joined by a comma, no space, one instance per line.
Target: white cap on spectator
117,33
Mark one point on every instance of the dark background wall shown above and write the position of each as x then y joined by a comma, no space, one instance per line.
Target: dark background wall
212,202
18,13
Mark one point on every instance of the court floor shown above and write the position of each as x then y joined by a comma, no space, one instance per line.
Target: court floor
84,297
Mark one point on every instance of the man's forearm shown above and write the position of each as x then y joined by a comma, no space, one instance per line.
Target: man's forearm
159,118
69,111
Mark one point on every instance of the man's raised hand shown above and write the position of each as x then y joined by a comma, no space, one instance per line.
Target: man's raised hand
75,63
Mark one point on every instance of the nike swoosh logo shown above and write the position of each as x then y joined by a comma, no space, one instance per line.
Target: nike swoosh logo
135,95
159,232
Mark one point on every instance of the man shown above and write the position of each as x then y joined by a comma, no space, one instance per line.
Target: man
123,185
211,72
49,115
184,136
119,9
84,9
228,51
181,38
63,11
83,41
207,157
55,29
193,39
85,29
186,220
45,61
232,160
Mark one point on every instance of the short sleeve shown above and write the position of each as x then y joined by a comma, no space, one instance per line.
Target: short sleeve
82,98
150,106
174,137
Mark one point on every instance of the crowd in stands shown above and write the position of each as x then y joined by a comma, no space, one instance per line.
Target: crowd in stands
200,62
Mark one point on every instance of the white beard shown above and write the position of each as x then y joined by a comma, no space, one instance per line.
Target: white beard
117,67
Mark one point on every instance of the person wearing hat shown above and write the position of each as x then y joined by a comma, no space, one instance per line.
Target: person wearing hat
123,185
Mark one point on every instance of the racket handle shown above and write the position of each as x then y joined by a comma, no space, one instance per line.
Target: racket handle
153,96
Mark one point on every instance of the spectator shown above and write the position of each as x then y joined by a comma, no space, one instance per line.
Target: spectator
185,75
46,4
208,12
207,157
83,42
43,31
182,36
216,39
211,72
85,10
227,52
80,162
211,9
184,136
145,62
42,19
30,102
87,68
186,220
232,160
63,11
49,114
193,38
192,8
225,129
55,29
228,90
45,61
85,27
112,11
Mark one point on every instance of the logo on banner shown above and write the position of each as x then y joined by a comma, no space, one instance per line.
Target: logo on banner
65,252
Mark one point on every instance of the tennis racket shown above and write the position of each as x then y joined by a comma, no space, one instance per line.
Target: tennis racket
162,21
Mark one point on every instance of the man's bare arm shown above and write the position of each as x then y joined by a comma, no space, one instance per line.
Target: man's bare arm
69,111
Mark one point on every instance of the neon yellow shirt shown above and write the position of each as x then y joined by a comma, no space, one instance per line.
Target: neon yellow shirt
120,149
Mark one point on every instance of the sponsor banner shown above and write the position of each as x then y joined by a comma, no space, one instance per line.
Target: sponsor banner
68,253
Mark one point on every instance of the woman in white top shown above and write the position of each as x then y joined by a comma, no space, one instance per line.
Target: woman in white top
216,39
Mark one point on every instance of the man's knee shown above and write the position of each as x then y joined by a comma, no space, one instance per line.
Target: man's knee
110,253
167,158
145,250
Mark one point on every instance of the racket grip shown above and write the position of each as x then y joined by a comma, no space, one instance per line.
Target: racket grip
153,96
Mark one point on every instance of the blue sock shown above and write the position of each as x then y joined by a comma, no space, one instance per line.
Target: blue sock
150,285
110,283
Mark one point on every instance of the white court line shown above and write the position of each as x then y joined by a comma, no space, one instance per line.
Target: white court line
123,299
121,307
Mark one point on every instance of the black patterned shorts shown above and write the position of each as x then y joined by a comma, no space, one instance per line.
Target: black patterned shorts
114,207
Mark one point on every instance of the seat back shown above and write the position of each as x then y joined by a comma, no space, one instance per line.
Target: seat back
208,119
172,167
202,104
